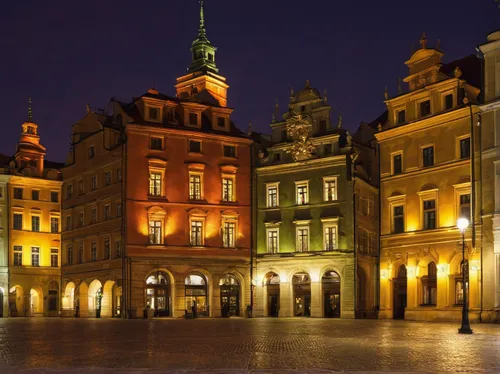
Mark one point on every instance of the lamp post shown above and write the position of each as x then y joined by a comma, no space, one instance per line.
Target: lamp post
462,224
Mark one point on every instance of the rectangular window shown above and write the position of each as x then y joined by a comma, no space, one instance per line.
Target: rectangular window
69,191
398,219
228,235
195,187
81,187
81,220
193,119
429,214
94,182
54,196
302,239
18,255
107,249
80,252
118,209
35,223
465,206
221,122
272,241
35,195
54,225
428,156
107,178
322,126
155,184
93,217
330,189
448,102
229,151
154,113
118,247
465,148
156,144
68,223
302,194
194,146
154,232
328,149
397,164
18,221
277,157
93,250
54,257
330,238
107,211
284,136
18,193
227,189
272,196
196,233
425,108
401,117
35,256
91,152
69,260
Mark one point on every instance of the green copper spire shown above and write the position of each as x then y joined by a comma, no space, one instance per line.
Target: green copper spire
203,51
30,111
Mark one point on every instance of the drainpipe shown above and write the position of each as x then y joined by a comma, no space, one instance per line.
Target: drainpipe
379,215
252,222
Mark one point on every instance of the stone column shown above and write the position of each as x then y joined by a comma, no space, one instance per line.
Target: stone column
385,296
316,300
259,301
179,303
215,307
442,285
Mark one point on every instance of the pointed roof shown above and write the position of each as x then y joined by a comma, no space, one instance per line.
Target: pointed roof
203,52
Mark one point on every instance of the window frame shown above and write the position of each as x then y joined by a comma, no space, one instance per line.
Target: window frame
34,218
17,260
273,229
423,158
302,227
232,179
459,144
193,141
393,163
35,254
329,223
153,143
229,146
193,196
271,186
298,185
327,180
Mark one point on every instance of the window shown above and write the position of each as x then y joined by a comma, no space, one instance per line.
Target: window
80,220
425,108
194,146
302,195
69,191
229,151
18,193
93,250
272,196
91,152
195,187
107,211
93,217
68,223
154,232
465,206
429,214
397,164
156,144
363,240
35,223
35,195
330,238
107,249
54,257
193,119
94,182
35,256
302,108
118,247
465,148
459,285
272,241
328,149
401,117
448,102
221,122
227,189
107,178
429,285
69,260
302,239
277,157
322,125
155,184
118,209
154,113
330,189
284,136
367,205
18,221
228,235
80,252
196,233
54,196
428,156
18,255
81,187
54,225
398,219
210,57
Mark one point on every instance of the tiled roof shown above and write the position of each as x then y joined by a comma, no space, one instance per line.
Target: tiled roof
470,67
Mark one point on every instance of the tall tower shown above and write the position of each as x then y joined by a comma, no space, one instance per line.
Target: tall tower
203,77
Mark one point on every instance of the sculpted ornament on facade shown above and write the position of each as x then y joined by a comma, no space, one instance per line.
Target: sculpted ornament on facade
298,130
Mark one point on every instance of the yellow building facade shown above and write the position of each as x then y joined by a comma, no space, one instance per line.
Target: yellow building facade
425,151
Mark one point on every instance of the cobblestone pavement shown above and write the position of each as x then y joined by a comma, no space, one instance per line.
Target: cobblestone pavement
244,346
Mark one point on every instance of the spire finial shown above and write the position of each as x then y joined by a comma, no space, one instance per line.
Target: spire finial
202,15
325,96
308,83
386,93
30,111
249,130
438,45
423,41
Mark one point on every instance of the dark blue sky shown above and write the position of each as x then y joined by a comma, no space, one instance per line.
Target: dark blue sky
65,54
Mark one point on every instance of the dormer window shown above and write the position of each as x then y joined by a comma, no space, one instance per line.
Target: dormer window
210,57
401,117
170,115
154,114
425,108
448,102
31,130
221,122
229,151
284,136
193,119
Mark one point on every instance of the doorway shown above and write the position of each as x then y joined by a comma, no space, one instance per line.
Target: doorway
273,294
331,294
400,293
301,295
230,295
158,295
196,293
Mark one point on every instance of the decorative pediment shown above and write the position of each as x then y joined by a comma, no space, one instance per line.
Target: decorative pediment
197,212
196,166
228,169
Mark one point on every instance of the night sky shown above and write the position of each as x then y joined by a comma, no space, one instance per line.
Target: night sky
65,54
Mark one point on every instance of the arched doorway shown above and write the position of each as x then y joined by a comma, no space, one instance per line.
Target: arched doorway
16,302
400,292
331,294
301,295
53,298
68,300
36,302
158,295
95,299
230,295
273,294
429,285
196,292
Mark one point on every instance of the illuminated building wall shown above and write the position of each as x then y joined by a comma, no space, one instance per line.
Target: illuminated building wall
4,243
425,187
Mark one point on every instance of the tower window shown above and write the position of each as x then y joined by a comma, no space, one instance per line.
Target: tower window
154,113
193,119
401,117
448,102
221,122
210,57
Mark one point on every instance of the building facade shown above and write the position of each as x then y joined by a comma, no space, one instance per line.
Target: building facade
425,151
4,242
308,261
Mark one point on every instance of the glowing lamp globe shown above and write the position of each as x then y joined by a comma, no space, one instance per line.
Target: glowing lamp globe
462,224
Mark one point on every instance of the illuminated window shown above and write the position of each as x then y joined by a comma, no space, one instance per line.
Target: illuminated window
107,248
330,238
429,214
272,241
398,225
54,225
227,189
272,195
35,256
302,193
18,255
465,206
80,252
196,233
35,223
94,182
195,187
54,257
330,189
107,178
155,232
93,218
459,285
229,235
70,255
18,221
93,250
18,193
155,184
107,211
465,148
302,244
35,195
429,285
156,144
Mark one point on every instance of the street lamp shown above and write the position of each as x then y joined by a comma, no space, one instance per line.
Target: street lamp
462,224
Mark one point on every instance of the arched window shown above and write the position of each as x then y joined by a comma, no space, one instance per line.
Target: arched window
158,294
302,295
229,296
196,293
459,286
429,285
